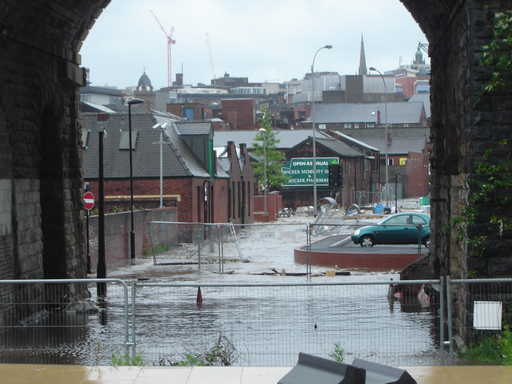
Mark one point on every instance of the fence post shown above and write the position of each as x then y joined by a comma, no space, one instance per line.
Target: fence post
200,240
218,247
308,259
450,319
134,328
442,292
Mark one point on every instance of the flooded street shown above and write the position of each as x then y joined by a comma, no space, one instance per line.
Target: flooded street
260,319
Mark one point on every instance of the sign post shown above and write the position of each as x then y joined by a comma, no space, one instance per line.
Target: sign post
88,201
300,171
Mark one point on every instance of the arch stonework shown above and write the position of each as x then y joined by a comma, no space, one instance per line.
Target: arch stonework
40,69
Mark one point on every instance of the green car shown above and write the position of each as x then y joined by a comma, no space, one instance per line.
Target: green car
401,228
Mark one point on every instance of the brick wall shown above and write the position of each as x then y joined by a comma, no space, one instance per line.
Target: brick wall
240,114
117,235
190,204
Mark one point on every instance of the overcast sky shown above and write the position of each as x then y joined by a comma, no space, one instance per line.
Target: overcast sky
265,40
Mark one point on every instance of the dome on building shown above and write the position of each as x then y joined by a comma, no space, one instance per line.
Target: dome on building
144,84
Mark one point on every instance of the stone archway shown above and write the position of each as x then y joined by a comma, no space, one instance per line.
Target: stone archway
40,41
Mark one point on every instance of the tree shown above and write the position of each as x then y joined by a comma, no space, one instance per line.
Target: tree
269,157
496,55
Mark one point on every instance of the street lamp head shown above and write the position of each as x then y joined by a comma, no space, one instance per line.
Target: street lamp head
373,69
135,101
328,46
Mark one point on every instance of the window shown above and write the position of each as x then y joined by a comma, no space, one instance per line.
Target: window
418,220
85,138
397,220
124,143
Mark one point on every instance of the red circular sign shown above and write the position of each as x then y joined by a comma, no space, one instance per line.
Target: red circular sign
88,198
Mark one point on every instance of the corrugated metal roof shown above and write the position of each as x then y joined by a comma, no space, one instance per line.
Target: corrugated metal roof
403,140
397,113
287,138
340,148
98,107
101,91
425,99
193,128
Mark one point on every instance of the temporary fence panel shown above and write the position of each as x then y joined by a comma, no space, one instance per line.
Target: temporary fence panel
269,324
174,243
478,309
62,321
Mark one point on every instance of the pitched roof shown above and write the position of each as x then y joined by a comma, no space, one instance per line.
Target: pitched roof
340,148
425,99
177,157
193,128
287,138
397,113
90,89
403,140
88,107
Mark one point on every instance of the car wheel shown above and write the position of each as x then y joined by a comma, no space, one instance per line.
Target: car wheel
366,241
426,242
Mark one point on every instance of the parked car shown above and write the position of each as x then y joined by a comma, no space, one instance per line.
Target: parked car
401,228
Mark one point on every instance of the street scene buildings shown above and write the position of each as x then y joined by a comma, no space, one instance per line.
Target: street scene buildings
354,213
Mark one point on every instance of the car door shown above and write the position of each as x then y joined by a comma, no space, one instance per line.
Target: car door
392,230
421,226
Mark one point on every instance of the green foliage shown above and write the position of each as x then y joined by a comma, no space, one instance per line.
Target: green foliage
222,353
490,200
156,250
265,144
338,354
496,54
491,350
122,360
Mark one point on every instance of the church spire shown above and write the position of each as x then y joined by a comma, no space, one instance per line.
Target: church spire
362,59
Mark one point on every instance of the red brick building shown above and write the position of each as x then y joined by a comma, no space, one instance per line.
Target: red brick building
192,179
242,183
239,113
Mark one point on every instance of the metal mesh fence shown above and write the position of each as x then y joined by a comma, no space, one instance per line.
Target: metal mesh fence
267,325
478,309
173,243
62,321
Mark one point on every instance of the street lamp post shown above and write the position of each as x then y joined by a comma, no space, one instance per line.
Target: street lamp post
161,142
313,124
263,130
132,227
386,141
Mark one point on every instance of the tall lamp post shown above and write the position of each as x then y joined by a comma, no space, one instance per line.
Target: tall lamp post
162,127
132,227
313,123
263,130
385,134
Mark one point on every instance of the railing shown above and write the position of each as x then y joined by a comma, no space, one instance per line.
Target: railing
178,243
477,309
55,321
269,324
393,322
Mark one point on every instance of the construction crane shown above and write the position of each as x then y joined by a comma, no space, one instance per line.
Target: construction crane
210,54
170,42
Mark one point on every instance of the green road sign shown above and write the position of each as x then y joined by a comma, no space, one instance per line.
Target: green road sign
300,171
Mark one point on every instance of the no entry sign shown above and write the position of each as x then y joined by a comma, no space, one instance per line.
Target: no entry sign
88,198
